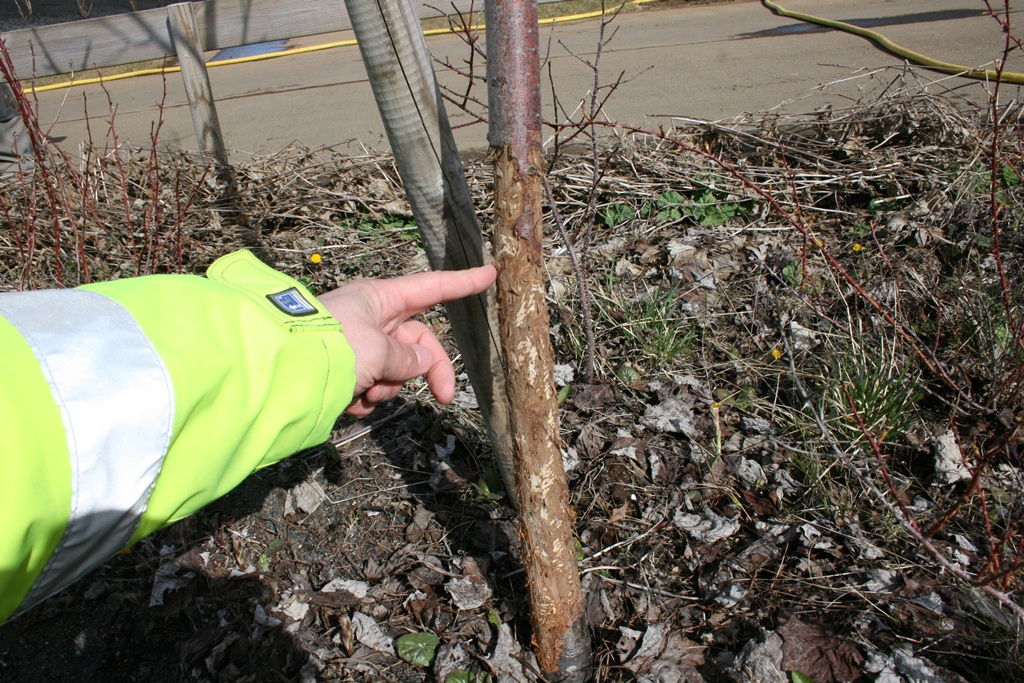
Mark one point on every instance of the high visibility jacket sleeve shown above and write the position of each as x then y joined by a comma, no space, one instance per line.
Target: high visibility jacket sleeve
127,405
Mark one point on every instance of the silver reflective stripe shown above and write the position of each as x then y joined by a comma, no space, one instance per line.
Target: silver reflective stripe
117,403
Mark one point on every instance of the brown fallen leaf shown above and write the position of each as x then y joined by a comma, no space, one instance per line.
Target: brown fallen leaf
421,529
811,650
471,590
618,514
590,442
592,396
663,654
333,599
761,506
422,605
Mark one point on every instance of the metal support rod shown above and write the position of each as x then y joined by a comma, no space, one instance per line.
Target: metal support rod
560,632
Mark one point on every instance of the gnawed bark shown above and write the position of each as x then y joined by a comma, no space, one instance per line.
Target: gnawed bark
561,637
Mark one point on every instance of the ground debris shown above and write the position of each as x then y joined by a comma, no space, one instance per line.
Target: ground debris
169,578
673,415
714,516
504,662
471,590
367,632
760,661
705,527
809,649
663,656
949,460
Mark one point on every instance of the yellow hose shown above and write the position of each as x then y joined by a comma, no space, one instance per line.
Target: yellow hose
295,51
899,50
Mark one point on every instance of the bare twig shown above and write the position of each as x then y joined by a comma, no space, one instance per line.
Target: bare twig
581,282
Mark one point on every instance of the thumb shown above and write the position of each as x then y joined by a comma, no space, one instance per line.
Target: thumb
405,361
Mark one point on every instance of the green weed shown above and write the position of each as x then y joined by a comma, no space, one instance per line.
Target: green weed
651,325
616,214
706,206
880,392
381,229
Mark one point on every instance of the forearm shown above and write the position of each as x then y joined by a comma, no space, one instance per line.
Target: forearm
207,380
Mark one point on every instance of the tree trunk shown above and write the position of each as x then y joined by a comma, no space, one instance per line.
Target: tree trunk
560,631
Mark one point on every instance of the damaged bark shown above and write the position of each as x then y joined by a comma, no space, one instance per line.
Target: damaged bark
549,553
560,632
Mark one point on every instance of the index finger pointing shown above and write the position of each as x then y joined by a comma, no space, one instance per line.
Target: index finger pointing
411,294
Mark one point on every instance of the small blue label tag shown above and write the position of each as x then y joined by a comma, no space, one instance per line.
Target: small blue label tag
292,302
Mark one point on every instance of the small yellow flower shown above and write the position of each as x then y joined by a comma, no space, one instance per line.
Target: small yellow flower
858,246
776,354
315,257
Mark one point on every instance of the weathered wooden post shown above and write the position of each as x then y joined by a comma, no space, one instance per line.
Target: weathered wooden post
184,30
560,631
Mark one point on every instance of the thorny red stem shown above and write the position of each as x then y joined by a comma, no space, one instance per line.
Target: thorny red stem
122,174
881,249
36,137
974,482
905,522
997,254
154,187
993,546
799,213
181,211
880,458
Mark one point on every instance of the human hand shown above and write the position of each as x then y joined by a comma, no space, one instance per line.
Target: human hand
391,349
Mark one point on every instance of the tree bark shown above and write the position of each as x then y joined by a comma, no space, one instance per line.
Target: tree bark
560,631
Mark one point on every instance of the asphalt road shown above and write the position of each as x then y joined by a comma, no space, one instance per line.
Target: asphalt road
705,62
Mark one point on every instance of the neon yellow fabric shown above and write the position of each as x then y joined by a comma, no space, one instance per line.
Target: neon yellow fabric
252,385
35,484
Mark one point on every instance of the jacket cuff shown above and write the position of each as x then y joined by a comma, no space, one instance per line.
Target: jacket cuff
279,295
290,303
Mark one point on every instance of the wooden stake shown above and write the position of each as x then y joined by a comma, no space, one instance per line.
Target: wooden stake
184,30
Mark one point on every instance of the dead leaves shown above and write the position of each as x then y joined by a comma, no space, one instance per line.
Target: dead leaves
797,646
661,654
590,441
808,648
471,590
591,397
